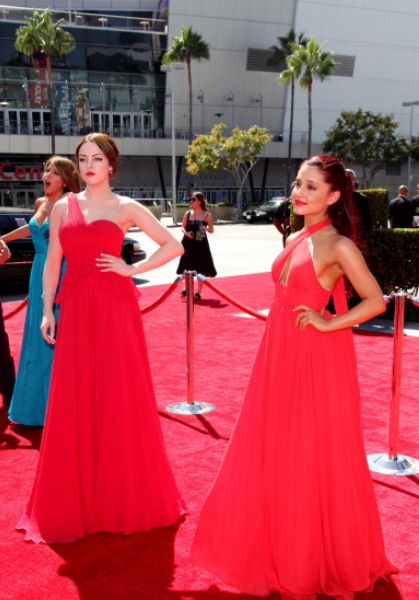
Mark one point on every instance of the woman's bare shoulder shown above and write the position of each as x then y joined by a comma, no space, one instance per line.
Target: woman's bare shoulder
126,200
342,246
62,202
291,237
38,203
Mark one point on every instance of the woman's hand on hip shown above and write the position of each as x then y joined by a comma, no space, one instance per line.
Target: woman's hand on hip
114,264
308,316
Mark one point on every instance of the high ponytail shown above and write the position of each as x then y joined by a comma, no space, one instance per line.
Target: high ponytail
342,211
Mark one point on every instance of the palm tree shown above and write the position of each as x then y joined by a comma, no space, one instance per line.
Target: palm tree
187,47
310,62
41,37
288,75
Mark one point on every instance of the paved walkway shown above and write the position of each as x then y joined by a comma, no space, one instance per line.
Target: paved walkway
237,249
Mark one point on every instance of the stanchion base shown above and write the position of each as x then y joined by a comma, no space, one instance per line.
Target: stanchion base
402,465
190,408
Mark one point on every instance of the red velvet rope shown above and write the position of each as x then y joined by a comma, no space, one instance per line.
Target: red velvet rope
235,302
159,301
16,310
144,310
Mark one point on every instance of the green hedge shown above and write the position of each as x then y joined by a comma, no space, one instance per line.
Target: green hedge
378,203
392,255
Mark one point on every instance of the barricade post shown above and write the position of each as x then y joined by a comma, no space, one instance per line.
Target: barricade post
393,463
190,407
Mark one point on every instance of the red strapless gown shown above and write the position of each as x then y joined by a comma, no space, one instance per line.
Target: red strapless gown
293,509
102,465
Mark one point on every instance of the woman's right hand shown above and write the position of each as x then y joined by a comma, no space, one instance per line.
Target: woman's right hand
48,327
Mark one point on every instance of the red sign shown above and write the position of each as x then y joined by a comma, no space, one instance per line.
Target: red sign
20,173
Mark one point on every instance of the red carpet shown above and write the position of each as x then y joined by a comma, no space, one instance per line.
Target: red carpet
155,565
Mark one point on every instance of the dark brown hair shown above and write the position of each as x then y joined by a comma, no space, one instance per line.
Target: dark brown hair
106,144
334,173
201,199
67,170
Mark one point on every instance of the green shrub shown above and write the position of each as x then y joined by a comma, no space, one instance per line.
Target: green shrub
377,200
392,255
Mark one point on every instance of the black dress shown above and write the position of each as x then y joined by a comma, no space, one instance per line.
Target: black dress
197,256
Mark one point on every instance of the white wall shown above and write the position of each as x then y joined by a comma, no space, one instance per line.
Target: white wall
382,34
230,28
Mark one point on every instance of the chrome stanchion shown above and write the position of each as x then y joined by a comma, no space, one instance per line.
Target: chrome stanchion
393,463
190,407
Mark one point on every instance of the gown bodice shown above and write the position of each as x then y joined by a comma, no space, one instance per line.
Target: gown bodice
302,285
40,235
82,244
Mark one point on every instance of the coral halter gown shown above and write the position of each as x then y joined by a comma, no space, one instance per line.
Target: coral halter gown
292,508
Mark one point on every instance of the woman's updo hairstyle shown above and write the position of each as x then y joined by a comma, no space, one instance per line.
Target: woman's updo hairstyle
334,173
107,146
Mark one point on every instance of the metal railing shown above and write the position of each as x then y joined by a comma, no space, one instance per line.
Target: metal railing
81,18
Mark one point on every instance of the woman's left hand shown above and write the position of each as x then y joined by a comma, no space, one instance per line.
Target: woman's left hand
308,316
114,264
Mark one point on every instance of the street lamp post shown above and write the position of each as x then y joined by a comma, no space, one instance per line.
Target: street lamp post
230,98
165,69
259,100
201,98
102,93
409,160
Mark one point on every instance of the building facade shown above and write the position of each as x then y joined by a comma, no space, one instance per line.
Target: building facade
113,82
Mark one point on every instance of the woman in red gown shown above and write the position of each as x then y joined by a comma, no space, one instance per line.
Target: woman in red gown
102,465
293,509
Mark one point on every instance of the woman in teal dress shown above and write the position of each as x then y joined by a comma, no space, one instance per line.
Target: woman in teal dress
30,393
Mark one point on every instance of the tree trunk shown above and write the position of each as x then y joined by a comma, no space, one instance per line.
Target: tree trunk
310,120
289,161
51,101
239,200
188,64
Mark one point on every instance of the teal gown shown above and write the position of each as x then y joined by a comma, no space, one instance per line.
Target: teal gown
30,394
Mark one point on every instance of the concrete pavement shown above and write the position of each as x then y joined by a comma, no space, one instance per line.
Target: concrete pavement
237,249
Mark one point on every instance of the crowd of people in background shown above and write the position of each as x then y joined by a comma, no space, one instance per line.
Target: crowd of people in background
404,212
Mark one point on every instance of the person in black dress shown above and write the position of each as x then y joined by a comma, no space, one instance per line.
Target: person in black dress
197,222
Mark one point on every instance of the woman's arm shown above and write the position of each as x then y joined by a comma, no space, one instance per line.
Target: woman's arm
168,249
52,271
210,223
353,265
24,231
16,234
